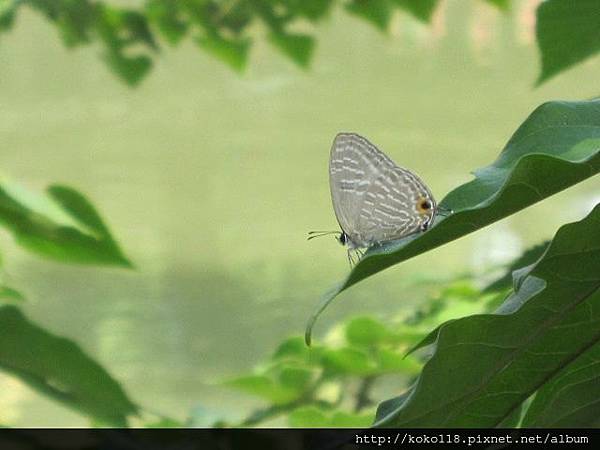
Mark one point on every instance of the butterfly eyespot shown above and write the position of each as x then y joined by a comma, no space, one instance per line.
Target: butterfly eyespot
424,205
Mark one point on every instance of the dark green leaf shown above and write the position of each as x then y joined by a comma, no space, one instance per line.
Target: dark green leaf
232,52
556,147
378,12
58,368
485,366
513,420
567,31
421,9
571,399
298,47
83,240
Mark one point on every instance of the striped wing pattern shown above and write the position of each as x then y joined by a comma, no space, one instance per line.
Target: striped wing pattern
374,199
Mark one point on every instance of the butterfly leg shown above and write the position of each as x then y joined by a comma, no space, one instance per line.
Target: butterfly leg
350,258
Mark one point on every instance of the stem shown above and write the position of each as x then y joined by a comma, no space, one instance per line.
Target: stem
363,395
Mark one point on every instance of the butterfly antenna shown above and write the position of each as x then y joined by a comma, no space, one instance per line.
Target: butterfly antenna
316,234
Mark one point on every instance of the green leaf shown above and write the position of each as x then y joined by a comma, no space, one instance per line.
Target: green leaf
485,366
165,422
420,9
390,361
347,361
292,348
295,378
264,387
58,368
556,147
503,5
131,69
79,208
298,47
8,11
314,417
567,33
124,32
377,12
10,295
167,17
78,236
530,256
311,9
234,53
366,331
307,417
571,398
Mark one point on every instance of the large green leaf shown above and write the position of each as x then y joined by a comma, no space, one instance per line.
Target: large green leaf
485,366
64,226
58,368
568,31
556,147
570,399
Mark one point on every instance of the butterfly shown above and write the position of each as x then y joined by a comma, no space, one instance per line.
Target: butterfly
374,200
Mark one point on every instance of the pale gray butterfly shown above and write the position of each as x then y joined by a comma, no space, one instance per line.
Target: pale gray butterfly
374,200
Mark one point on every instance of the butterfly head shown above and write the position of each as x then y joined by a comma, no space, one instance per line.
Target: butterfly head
342,238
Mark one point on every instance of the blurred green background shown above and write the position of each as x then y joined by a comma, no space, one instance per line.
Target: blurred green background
210,180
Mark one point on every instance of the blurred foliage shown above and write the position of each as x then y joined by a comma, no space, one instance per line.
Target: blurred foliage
557,146
568,32
62,226
331,384
129,37
57,368
66,227
479,368
476,368
544,336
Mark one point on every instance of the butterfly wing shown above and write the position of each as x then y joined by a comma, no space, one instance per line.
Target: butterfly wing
374,199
